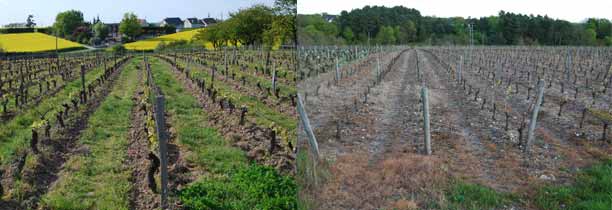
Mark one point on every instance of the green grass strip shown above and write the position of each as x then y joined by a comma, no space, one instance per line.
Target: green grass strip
99,180
592,190
474,196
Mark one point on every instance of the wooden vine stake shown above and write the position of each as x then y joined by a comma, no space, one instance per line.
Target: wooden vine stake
83,83
312,140
459,74
534,116
161,136
274,78
337,71
425,100
377,69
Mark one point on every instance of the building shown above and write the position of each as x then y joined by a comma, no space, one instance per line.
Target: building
209,21
193,23
143,23
113,31
16,25
329,18
174,21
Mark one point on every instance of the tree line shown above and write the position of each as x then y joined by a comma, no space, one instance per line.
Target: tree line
257,25
71,25
401,25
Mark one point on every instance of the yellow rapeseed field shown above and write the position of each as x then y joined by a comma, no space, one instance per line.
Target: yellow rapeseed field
33,42
151,44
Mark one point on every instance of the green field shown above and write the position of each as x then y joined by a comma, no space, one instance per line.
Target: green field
34,42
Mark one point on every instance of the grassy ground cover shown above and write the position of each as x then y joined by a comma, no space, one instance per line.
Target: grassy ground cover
98,180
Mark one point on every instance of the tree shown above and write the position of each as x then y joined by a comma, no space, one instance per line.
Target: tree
129,26
385,36
315,30
66,22
284,24
225,32
348,35
100,30
407,32
30,21
212,34
608,41
252,22
590,37
82,35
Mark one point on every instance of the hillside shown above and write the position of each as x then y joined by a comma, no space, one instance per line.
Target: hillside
151,44
34,42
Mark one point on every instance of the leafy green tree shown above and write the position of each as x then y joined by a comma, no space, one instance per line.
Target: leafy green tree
229,32
608,41
407,32
82,35
386,36
67,22
30,21
348,35
602,27
100,31
314,30
252,22
590,37
284,24
129,26
213,34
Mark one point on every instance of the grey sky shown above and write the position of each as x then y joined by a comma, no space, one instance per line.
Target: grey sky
44,11
574,11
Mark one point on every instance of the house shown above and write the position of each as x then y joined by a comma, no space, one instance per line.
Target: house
209,21
113,31
329,18
193,23
174,21
16,25
143,23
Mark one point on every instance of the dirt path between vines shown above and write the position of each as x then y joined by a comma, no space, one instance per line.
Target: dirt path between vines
141,196
380,164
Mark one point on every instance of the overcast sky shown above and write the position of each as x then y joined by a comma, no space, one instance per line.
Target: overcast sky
44,11
571,10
